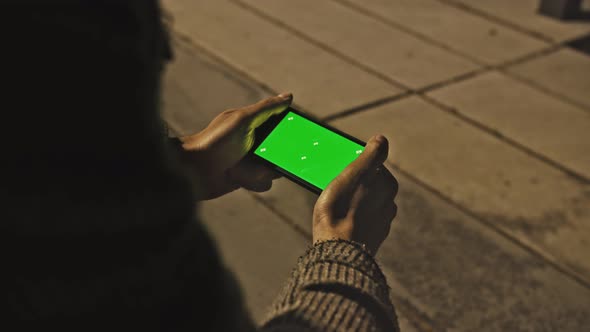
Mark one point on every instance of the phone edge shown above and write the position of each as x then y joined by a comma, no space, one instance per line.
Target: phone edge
290,176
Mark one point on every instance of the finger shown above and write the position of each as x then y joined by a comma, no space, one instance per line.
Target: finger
393,182
387,215
255,165
393,212
247,118
373,174
252,176
373,157
258,113
375,195
258,187
384,181
247,181
390,216
374,154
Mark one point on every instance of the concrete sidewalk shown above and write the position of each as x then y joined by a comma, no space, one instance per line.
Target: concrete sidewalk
488,113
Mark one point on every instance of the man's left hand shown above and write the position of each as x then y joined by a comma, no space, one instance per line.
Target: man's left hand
216,157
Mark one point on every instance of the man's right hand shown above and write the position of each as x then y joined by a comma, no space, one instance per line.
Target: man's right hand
358,205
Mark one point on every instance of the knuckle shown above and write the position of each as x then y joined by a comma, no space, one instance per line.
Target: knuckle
321,215
228,112
263,186
239,116
392,177
391,182
364,189
386,231
395,187
338,184
269,102
391,190
393,211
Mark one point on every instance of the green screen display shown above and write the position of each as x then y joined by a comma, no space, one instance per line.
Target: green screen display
308,150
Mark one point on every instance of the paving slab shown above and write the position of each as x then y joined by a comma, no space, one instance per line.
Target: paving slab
524,14
255,244
197,88
323,83
538,204
292,201
542,123
486,41
456,272
468,278
565,72
391,52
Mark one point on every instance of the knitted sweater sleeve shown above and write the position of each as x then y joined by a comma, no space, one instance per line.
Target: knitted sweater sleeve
336,286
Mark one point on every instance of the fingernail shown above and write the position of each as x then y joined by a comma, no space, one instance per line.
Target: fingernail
285,95
380,139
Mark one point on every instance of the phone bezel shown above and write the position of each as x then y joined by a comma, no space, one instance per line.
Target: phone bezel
262,132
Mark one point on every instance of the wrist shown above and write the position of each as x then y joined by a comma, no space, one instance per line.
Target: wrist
358,244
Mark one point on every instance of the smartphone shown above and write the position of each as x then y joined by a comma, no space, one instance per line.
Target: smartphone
305,150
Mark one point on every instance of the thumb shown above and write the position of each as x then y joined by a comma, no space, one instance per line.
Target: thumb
373,156
256,114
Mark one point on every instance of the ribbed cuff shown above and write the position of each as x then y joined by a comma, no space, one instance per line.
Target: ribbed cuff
344,252
337,285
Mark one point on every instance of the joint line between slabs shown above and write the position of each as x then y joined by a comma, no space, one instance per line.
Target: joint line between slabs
552,47
496,19
488,224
